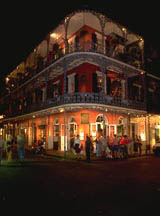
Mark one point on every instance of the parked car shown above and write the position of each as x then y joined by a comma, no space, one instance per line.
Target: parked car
156,149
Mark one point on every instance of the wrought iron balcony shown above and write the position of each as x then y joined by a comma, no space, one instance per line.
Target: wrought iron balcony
81,98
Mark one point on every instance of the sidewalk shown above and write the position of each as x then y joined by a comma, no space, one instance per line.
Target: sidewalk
71,156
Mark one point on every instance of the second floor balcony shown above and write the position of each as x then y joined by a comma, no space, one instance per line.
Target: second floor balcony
76,99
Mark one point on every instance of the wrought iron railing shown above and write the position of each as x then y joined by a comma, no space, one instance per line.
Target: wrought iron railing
83,46
81,98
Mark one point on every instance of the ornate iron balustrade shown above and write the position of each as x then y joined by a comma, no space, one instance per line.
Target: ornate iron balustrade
83,46
82,98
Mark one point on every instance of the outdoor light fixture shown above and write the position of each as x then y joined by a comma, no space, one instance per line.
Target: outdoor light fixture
55,35
61,110
124,29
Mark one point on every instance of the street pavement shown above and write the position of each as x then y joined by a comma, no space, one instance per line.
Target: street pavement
57,186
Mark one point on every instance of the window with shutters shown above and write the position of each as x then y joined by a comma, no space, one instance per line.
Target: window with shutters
56,88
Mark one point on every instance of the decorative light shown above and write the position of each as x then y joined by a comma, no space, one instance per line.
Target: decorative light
61,110
55,35
7,79
124,29
66,19
141,39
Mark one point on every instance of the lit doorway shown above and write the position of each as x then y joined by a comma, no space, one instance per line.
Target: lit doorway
56,134
120,127
101,124
72,130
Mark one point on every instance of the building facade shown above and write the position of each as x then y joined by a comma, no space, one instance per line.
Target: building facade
87,74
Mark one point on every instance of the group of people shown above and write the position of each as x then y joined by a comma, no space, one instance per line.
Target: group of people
103,147
7,146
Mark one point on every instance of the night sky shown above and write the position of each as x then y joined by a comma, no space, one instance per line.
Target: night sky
25,25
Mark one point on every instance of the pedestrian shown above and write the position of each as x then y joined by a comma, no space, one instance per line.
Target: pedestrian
139,146
2,144
77,147
135,145
129,146
115,147
88,146
123,147
21,145
104,146
72,144
99,144
9,141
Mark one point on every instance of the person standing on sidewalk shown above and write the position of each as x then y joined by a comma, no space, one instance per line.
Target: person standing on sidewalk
20,145
77,147
139,146
123,147
9,142
2,144
88,146
115,147
99,139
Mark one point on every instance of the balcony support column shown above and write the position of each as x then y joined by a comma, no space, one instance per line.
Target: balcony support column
65,91
103,69
143,77
46,84
65,76
126,87
102,23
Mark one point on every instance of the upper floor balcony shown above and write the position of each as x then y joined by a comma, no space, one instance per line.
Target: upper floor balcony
81,31
82,77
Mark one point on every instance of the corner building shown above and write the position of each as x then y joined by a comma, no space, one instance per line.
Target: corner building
85,75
